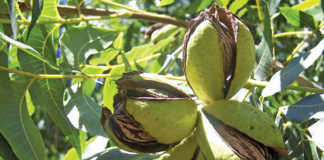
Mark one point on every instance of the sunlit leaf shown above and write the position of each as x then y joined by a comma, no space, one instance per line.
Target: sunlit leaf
147,50
237,4
104,57
287,75
164,2
109,91
306,4
29,104
298,18
118,43
49,11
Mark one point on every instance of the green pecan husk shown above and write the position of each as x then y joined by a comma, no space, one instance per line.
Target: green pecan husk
150,114
219,54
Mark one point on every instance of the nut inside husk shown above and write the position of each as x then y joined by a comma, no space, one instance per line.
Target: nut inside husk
145,114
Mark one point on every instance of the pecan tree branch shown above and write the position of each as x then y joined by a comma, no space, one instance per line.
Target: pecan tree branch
71,10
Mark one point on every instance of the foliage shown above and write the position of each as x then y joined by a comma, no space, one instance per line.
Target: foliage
56,61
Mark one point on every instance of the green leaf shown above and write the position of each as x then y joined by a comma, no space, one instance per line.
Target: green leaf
144,51
209,140
206,3
16,125
89,113
3,61
5,150
305,108
27,49
264,61
162,3
298,18
237,4
264,51
163,33
48,93
267,30
287,75
197,6
79,41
